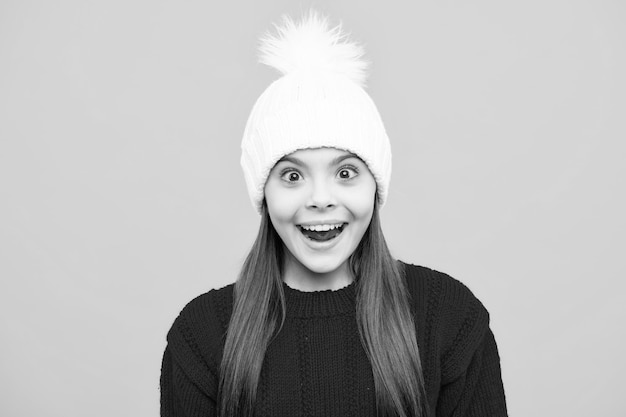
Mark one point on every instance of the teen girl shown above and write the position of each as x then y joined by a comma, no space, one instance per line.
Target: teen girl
322,320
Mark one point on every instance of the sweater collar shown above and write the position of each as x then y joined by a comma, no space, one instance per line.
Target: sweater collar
320,303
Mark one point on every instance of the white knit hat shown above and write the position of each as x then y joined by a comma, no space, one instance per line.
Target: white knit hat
318,102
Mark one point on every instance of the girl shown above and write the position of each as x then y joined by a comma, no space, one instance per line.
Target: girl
322,320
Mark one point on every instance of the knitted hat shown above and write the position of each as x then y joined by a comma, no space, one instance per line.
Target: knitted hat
318,102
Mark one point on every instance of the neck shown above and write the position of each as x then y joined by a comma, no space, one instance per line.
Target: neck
299,277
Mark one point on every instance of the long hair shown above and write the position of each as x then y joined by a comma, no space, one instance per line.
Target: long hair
384,319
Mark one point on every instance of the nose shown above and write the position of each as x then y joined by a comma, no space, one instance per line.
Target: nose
322,196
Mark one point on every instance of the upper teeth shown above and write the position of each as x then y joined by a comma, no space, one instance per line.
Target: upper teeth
322,227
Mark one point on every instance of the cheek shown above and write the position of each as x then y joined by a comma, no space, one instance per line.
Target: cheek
279,203
362,201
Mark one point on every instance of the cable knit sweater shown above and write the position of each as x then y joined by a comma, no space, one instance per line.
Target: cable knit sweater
316,366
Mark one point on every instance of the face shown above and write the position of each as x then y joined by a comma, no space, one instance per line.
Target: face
320,202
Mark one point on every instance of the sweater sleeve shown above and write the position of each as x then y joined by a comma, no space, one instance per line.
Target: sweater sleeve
180,396
477,390
188,382
466,372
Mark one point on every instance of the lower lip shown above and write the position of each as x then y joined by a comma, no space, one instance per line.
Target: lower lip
322,244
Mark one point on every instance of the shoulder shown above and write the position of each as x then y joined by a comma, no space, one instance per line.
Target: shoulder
211,309
439,290
454,322
197,334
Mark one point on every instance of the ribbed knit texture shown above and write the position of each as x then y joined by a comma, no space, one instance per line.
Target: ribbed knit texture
304,112
316,366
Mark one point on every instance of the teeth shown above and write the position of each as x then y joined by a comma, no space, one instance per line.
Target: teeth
322,227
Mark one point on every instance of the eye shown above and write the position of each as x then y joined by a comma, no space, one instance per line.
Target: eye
289,175
347,172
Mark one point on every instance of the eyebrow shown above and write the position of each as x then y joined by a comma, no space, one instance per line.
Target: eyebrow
335,161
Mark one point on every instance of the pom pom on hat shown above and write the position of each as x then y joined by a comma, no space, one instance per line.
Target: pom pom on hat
312,45
318,102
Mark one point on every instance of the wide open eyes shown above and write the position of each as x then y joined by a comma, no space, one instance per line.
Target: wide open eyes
347,172
344,173
290,175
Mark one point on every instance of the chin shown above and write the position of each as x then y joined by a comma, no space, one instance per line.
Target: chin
322,267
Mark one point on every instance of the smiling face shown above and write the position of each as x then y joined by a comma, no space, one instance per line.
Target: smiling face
320,202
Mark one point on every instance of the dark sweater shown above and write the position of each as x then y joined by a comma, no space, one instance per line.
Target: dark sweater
316,366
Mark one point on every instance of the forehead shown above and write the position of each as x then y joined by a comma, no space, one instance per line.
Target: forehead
318,154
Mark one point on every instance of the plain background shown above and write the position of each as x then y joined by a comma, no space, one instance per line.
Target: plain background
121,195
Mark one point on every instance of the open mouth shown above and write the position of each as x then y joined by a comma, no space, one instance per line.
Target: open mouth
322,232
